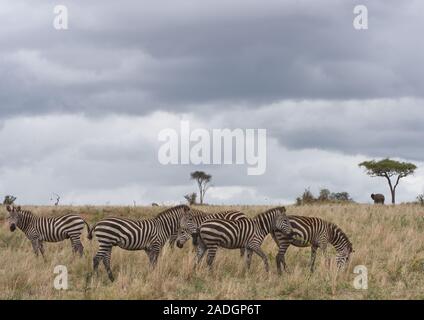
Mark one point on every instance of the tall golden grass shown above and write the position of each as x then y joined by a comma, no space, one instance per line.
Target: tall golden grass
388,240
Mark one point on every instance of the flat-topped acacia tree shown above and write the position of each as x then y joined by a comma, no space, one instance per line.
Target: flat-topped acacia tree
388,169
202,180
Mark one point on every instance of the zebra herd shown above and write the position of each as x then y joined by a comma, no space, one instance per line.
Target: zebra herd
228,229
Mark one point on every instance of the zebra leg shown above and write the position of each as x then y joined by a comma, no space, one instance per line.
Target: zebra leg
172,240
77,245
41,248
211,256
248,257
195,239
313,257
280,258
201,250
81,250
106,263
74,249
260,253
242,250
104,253
96,261
148,253
153,258
153,253
35,246
323,247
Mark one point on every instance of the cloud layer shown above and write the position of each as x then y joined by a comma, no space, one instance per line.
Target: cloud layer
174,56
80,109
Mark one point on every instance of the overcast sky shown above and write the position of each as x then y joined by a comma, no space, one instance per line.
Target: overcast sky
81,109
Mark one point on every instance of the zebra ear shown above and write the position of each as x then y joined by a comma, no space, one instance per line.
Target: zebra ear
9,208
282,209
18,208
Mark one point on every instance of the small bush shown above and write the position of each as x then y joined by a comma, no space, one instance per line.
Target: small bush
306,198
191,198
420,199
325,196
9,200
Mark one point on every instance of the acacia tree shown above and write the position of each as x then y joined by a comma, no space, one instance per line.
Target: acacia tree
202,180
389,169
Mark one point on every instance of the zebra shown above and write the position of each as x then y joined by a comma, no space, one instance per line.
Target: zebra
48,229
149,235
173,237
243,233
190,224
315,233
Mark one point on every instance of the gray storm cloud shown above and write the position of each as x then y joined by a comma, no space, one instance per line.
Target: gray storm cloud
136,58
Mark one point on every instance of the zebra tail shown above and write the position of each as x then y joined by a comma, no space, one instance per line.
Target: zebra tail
90,231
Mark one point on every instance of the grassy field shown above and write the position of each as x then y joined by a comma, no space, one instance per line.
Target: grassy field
388,240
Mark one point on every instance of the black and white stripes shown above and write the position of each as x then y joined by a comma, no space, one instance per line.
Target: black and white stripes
315,233
149,235
47,229
191,222
243,233
229,229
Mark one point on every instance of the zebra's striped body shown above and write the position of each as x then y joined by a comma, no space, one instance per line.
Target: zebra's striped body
200,216
48,229
190,223
149,235
315,233
243,233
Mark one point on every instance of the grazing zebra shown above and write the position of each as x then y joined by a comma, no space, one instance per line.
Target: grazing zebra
149,235
315,233
190,224
243,233
48,229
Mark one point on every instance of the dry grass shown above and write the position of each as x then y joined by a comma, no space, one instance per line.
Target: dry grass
387,240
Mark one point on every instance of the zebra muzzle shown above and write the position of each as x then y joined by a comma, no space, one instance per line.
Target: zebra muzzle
179,244
195,237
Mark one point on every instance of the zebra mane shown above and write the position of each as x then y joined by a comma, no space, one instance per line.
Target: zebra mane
197,212
335,229
280,209
19,210
170,210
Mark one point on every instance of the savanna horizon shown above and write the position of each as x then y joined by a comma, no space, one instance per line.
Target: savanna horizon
386,239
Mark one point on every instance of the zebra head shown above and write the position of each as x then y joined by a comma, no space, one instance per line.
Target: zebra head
187,228
13,217
282,223
343,256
